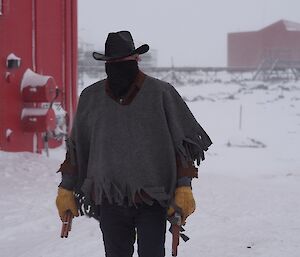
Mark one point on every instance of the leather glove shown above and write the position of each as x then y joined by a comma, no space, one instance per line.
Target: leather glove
65,200
185,201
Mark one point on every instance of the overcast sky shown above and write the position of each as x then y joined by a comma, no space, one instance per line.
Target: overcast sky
192,32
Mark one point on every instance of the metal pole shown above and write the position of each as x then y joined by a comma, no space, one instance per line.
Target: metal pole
241,116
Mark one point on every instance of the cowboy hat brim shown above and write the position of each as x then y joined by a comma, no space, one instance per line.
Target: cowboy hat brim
140,50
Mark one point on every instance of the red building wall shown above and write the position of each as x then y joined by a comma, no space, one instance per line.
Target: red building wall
44,35
275,42
244,49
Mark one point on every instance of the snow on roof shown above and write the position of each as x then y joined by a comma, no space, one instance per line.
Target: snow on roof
33,79
288,25
12,56
8,132
33,112
291,26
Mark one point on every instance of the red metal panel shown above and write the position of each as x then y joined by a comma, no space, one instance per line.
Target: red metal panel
73,91
49,40
14,30
68,55
44,35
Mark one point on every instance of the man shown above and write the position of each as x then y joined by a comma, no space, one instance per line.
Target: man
131,153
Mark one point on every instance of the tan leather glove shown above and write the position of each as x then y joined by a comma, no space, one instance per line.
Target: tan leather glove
65,200
183,199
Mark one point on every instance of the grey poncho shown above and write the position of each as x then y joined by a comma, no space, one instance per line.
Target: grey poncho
121,150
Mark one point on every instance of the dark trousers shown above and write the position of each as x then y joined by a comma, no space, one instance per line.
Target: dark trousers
121,226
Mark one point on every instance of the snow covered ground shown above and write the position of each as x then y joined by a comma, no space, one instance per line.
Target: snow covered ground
247,193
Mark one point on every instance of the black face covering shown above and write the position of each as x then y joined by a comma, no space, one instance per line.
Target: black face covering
121,75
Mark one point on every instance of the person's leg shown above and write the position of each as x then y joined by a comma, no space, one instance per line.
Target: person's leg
151,230
118,229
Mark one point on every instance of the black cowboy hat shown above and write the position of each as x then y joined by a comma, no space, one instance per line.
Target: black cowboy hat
119,45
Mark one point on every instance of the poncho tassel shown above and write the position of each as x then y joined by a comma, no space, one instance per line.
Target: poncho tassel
192,148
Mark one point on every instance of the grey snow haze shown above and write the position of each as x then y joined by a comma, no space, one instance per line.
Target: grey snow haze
191,32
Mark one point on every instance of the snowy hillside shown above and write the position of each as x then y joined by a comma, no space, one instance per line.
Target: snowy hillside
247,193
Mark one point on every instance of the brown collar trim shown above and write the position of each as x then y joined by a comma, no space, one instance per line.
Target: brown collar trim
132,92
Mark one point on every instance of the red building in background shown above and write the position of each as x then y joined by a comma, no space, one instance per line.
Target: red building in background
275,45
38,72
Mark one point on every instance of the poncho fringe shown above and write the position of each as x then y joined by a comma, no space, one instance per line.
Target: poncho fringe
192,149
110,191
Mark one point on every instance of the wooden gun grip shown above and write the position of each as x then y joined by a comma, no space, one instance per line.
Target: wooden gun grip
175,238
66,224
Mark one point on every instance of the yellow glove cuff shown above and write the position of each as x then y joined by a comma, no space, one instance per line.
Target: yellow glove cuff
183,189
